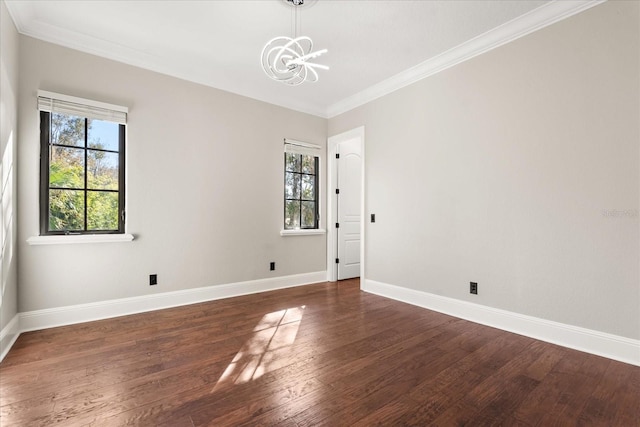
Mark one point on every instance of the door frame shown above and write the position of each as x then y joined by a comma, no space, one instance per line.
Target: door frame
332,213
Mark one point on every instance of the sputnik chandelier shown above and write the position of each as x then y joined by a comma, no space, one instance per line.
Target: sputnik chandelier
286,59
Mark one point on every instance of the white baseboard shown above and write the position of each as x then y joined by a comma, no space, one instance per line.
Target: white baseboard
602,344
61,316
599,343
9,335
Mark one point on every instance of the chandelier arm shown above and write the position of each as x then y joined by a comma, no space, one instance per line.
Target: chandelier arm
278,59
284,59
314,73
312,65
311,55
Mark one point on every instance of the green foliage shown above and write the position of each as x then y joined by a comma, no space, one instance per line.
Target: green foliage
65,174
67,179
102,210
67,130
300,188
66,210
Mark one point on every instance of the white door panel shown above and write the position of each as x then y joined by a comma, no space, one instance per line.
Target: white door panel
349,167
351,253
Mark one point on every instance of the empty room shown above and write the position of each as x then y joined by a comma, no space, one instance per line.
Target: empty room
320,212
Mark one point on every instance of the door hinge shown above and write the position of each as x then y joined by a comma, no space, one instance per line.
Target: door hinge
337,155
337,225
337,260
337,191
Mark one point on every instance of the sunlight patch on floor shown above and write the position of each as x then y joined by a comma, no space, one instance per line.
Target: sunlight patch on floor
275,331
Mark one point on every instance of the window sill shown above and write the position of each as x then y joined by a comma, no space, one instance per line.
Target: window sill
314,232
84,238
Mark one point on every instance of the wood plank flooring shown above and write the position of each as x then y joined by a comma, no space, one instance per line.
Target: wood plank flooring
324,354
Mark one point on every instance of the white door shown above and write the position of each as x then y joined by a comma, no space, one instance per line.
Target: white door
349,182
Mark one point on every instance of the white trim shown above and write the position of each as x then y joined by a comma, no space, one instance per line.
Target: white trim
82,238
81,101
302,144
305,232
9,335
332,145
534,20
23,16
599,343
60,316
302,149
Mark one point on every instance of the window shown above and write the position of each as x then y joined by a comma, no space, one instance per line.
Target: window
81,166
301,169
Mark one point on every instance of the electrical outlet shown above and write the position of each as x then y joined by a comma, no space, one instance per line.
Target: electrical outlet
473,288
272,266
153,279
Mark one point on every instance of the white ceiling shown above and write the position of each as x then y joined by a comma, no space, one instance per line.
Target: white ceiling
371,44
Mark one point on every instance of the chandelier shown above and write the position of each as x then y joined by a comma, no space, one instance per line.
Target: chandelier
286,59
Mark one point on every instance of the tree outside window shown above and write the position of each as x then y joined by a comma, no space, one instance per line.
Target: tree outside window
300,191
82,175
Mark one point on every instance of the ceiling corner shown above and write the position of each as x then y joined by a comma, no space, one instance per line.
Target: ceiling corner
528,23
21,13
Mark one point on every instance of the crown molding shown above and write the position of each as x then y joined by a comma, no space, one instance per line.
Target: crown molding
25,19
530,22
20,14
27,23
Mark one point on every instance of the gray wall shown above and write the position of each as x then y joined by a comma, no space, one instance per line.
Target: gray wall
204,185
518,169
8,139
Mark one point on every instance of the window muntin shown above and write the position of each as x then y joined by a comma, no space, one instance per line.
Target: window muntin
82,175
300,191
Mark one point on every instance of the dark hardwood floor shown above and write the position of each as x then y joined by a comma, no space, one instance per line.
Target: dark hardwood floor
324,354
